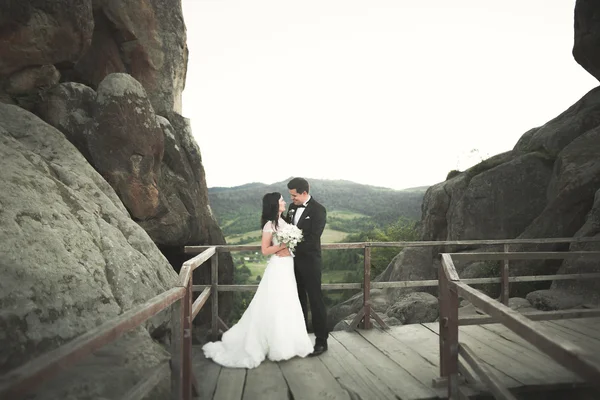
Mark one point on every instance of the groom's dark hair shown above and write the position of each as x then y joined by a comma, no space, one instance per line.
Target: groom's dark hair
270,209
300,184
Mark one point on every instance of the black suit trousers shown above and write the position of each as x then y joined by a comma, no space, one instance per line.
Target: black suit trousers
307,268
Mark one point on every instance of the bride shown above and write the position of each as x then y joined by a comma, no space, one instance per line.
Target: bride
273,324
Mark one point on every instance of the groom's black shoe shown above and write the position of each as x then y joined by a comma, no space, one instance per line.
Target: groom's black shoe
318,350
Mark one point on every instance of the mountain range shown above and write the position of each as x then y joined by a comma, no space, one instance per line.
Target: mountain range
237,209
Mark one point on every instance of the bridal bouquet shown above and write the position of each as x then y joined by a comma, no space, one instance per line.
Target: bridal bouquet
290,235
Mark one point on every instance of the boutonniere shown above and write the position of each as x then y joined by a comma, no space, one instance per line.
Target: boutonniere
293,210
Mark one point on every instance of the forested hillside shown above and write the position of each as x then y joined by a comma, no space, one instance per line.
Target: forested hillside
237,209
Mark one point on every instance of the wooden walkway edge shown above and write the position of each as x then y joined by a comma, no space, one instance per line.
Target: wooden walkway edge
399,363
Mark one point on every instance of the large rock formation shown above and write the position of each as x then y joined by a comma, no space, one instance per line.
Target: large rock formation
90,39
125,143
127,128
152,162
34,32
588,289
144,38
543,188
83,226
72,258
546,187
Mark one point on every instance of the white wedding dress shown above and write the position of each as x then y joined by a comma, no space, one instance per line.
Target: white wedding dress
273,324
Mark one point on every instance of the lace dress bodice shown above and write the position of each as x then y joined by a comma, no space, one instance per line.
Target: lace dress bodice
269,228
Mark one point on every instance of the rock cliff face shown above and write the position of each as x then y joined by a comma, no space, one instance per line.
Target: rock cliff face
144,38
38,32
586,290
543,188
72,257
547,186
101,182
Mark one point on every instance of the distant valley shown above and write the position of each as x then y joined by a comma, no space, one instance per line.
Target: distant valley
351,207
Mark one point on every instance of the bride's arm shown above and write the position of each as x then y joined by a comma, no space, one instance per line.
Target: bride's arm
265,245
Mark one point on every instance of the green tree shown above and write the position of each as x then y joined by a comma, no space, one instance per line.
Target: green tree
241,275
402,230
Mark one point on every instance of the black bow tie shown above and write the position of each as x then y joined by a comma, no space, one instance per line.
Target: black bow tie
301,206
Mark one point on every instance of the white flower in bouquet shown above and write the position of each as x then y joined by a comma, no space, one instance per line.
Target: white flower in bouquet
290,235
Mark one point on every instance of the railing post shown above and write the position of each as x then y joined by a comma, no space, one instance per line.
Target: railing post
504,285
214,276
452,344
187,340
448,303
367,289
443,301
177,350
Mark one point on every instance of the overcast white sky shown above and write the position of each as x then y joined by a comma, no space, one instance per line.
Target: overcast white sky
391,93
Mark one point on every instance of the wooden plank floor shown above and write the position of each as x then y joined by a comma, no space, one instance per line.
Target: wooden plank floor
399,363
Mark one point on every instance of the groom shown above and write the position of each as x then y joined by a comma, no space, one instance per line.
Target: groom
310,217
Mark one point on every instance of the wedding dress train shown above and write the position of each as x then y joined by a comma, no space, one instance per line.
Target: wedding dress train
272,326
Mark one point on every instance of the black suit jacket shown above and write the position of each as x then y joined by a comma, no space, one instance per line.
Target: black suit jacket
312,223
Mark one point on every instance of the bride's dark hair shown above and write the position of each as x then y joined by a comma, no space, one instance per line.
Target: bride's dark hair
270,210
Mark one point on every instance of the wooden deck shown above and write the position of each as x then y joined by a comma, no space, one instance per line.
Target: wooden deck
398,364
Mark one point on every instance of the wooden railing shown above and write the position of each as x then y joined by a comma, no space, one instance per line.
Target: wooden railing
17,383
365,314
31,375
451,287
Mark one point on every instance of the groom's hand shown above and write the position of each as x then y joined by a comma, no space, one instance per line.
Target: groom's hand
283,253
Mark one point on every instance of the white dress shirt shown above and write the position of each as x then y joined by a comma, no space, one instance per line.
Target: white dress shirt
299,211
